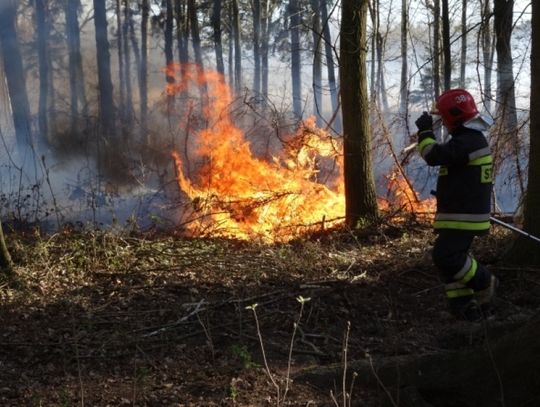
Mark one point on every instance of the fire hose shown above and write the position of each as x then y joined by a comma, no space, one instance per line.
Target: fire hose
514,229
508,226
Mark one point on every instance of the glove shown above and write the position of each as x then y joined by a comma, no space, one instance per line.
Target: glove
424,122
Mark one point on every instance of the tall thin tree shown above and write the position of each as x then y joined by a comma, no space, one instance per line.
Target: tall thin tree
503,13
446,46
317,61
330,66
525,251
14,72
143,72
218,44
235,23
106,102
296,71
360,195
45,74
463,56
77,89
256,6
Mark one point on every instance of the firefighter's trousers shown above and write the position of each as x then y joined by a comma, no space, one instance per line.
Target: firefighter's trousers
461,273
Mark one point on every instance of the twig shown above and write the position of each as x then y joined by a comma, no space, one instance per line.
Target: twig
181,320
267,368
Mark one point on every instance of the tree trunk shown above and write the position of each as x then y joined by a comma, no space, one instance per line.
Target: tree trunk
45,74
317,62
488,50
463,61
127,66
328,51
14,71
121,70
143,72
169,55
404,83
503,13
257,46
106,103
195,36
182,34
525,251
499,372
237,47
77,89
296,71
359,184
218,45
447,55
265,46
436,48
6,264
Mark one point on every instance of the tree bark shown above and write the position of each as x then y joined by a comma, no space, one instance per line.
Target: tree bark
436,48
218,45
317,62
128,108
169,55
360,195
463,61
195,36
257,46
499,372
45,74
265,45
503,13
447,54
296,71
77,89
143,72
328,51
525,251
237,47
14,71
404,82
106,103
6,263
121,71
488,50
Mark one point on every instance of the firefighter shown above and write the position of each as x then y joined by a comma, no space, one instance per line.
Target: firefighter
463,197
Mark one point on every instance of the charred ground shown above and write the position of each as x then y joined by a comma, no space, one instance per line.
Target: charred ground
103,319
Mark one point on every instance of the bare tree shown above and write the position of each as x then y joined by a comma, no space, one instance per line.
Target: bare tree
44,63
463,57
446,47
256,8
524,251
503,12
76,76
14,72
317,61
296,71
218,45
404,82
235,20
488,50
143,72
329,51
359,184
106,103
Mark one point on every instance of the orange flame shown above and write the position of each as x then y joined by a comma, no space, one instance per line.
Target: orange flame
238,195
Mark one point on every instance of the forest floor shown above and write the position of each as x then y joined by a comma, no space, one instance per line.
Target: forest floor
104,319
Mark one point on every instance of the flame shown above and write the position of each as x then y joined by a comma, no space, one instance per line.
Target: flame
238,195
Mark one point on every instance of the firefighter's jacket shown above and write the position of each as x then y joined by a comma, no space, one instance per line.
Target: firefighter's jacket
465,179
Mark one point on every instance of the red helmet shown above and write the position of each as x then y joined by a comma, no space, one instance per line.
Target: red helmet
455,106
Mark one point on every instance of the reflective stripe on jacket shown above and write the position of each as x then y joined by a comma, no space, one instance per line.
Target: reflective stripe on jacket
465,179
